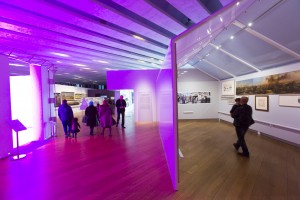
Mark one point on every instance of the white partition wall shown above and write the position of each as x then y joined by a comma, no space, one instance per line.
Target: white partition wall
5,114
143,84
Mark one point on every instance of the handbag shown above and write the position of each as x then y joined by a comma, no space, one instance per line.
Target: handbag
84,119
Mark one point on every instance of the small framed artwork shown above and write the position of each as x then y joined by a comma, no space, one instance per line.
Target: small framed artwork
262,103
228,88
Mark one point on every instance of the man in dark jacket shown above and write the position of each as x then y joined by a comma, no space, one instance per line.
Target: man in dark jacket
242,120
65,114
121,104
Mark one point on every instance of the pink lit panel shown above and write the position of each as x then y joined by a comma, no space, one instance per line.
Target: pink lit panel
26,107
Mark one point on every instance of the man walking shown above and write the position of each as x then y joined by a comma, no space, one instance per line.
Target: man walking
242,120
121,104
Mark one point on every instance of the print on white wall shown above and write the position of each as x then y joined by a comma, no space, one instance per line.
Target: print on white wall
289,100
262,103
228,88
193,97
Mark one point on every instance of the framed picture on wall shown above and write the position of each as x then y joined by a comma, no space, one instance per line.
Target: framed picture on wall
289,100
228,88
262,103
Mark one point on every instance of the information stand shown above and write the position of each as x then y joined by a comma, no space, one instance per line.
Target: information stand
17,126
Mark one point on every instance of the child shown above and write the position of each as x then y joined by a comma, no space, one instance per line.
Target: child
75,127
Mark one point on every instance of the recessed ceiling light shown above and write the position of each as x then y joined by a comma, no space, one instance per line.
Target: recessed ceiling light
141,61
16,64
231,37
238,3
138,37
79,65
58,61
185,71
95,71
221,19
107,68
87,68
250,24
101,61
60,54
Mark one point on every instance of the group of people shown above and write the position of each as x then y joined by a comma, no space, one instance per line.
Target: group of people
101,115
241,112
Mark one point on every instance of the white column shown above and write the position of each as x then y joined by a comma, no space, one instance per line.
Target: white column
42,107
5,114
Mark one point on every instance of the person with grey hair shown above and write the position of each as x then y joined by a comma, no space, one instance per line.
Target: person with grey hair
242,121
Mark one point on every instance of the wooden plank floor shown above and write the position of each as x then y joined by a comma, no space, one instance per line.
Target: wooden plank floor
211,168
131,165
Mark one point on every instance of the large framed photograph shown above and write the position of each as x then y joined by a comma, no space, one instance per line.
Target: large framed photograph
228,88
262,103
289,100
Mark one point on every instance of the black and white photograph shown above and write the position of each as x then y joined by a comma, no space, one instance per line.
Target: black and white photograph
193,97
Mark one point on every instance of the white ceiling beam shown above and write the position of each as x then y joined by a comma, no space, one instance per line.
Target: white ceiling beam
214,65
267,40
206,73
235,57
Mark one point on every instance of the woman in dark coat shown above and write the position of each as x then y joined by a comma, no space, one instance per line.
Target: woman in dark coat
105,117
91,113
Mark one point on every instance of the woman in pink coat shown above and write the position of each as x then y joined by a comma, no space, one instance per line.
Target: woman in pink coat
105,117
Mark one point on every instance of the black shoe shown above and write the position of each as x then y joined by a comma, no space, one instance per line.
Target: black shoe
244,154
117,125
123,127
236,146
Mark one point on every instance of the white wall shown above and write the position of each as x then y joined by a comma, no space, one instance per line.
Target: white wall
203,83
277,117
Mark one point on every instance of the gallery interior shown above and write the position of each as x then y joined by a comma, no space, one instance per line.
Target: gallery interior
180,65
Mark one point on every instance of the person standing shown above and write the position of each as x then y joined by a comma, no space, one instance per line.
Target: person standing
121,104
91,113
242,120
105,117
65,114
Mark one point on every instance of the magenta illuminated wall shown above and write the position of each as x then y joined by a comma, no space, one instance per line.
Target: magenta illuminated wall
167,115
5,114
144,85
158,83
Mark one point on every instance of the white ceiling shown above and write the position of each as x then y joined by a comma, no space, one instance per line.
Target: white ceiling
272,40
101,35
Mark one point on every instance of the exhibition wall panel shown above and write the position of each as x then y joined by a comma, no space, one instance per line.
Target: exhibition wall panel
167,121
280,122
5,114
143,84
